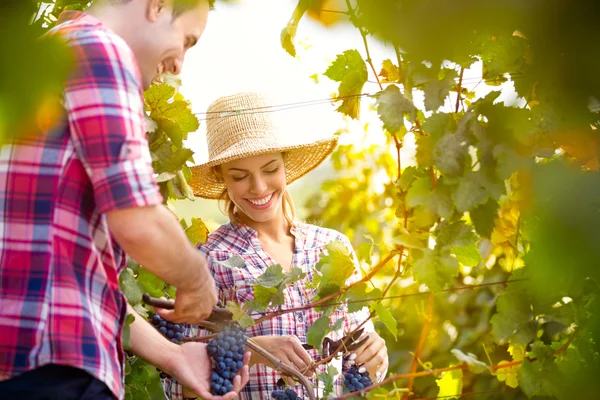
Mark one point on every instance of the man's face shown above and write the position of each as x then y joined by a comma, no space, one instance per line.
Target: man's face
166,39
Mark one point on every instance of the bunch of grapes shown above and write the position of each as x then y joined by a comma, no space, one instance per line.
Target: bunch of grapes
173,332
227,352
287,394
354,380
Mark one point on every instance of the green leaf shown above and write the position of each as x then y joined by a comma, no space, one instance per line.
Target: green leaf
130,287
239,314
158,94
169,158
385,316
317,331
450,384
450,154
470,192
350,92
294,274
436,91
412,241
348,61
336,266
508,375
453,234
513,320
471,360
197,232
328,379
357,296
484,217
432,202
468,255
151,284
434,270
272,277
126,334
265,297
351,71
424,153
234,262
391,107
407,178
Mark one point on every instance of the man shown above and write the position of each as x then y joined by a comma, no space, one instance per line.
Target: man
76,195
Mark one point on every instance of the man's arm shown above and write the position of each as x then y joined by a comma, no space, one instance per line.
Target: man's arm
153,237
188,363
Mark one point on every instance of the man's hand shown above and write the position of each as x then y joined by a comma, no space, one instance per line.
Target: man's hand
191,367
288,349
373,355
192,304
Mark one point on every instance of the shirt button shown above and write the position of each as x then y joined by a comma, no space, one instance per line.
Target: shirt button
300,317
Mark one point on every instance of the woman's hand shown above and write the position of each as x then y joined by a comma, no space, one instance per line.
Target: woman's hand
286,348
373,355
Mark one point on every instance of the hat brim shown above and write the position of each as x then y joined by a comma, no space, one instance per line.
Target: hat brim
299,160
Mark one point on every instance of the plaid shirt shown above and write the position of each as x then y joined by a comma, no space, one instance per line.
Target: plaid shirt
310,241
59,266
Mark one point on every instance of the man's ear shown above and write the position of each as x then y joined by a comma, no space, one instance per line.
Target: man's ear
154,8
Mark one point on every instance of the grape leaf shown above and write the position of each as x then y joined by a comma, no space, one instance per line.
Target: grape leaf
450,154
158,94
272,277
424,153
470,192
357,296
389,71
328,379
350,91
336,266
126,334
453,234
235,261
468,255
317,331
508,375
197,232
130,287
471,360
348,61
484,217
391,107
351,71
437,90
239,314
386,317
432,202
407,178
150,283
435,270
169,158
513,320
450,384
265,297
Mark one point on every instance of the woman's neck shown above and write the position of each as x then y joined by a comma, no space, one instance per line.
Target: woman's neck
275,229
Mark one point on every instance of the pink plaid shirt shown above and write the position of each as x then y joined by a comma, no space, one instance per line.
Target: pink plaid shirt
59,266
230,239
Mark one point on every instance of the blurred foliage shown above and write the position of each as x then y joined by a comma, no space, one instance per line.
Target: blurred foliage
498,192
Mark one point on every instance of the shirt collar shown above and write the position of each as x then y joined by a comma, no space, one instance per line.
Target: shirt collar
77,16
298,230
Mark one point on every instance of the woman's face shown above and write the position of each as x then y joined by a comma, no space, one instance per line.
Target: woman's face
256,185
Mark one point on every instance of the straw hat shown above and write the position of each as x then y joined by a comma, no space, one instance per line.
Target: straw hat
240,126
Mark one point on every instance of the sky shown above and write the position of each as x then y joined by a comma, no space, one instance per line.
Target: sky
240,50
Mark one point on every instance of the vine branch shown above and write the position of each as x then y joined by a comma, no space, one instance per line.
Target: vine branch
438,371
422,339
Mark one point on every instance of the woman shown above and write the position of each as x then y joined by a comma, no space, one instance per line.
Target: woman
249,170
